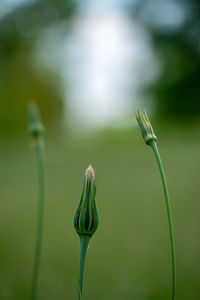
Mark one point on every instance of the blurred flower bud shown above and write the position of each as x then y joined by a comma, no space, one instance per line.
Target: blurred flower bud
35,124
86,216
145,127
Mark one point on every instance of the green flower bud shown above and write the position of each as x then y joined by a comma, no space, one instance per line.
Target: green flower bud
145,127
35,124
86,216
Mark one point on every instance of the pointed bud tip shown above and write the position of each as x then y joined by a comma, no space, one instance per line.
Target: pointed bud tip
145,127
90,172
31,100
35,124
31,103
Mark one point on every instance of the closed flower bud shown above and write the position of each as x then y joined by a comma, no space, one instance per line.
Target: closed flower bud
35,124
145,127
86,215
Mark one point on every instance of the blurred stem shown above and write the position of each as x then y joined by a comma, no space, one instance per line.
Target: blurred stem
84,242
39,233
154,147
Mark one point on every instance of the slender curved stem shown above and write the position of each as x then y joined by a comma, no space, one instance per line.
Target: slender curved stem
154,147
84,242
39,233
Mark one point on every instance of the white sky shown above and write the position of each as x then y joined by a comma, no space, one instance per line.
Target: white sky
108,56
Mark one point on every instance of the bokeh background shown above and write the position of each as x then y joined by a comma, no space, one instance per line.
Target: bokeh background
90,64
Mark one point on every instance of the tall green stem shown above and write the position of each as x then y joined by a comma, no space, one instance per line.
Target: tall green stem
39,233
154,147
84,242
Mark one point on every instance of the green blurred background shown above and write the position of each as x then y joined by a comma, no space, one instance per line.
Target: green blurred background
90,65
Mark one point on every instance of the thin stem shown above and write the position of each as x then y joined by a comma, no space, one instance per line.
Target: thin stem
39,233
154,147
84,242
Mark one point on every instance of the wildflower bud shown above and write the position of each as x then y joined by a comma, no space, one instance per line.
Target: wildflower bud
145,127
35,124
86,215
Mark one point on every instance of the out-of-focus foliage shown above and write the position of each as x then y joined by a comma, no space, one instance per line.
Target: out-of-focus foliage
20,28
177,92
175,28
20,77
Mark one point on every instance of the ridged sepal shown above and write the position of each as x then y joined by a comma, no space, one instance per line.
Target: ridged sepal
86,216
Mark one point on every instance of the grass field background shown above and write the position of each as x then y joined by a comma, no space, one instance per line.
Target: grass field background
129,255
